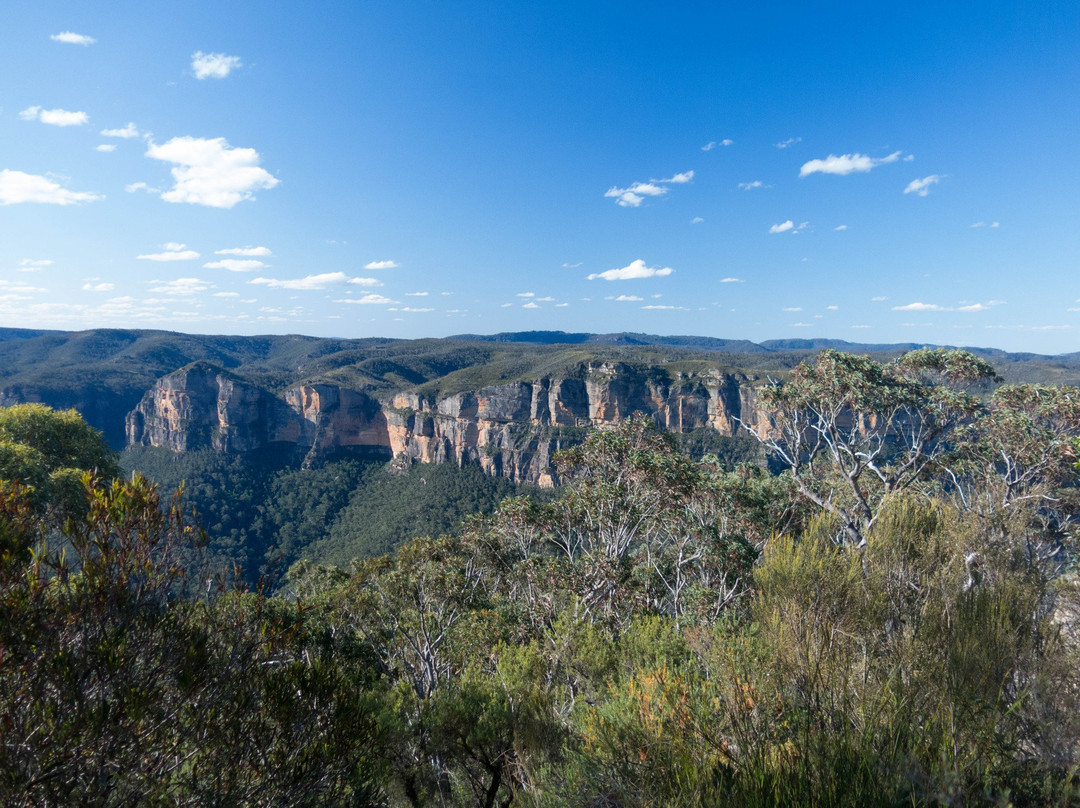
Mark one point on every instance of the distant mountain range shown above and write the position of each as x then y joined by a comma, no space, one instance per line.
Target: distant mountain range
104,373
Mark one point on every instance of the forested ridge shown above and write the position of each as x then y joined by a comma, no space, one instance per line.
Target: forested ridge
893,618
104,372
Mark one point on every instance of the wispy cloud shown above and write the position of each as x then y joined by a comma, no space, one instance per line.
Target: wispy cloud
846,164
922,187
236,264
372,299
696,220
791,141
712,144
105,147
633,196
531,305
629,299
749,186
678,179
635,269
247,252
381,265
181,287
732,280
213,65
210,172
71,38
54,117
126,132
35,264
310,282
965,307
661,307
791,308
840,227
98,287
17,187
173,252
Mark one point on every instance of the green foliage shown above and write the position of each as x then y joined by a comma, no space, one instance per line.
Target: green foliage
118,690
48,451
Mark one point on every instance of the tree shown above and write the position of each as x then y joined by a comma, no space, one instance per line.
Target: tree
47,451
855,432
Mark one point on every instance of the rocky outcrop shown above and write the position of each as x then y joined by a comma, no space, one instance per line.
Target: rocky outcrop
203,407
511,430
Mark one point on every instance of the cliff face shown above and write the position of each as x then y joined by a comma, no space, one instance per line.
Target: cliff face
511,430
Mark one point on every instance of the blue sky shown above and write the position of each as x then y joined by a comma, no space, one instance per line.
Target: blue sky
899,172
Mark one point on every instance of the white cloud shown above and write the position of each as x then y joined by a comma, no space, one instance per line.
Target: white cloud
783,227
732,280
173,252
140,186
416,310
840,227
966,307
18,287
213,65
548,299
248,252
678,179
635,269
709,146
917,306
659,307
879,299
791,308
17,186
236,264
749,186
54,117
306,283
633,196
629,298
371,299
530,305
381,265
846,164
416,294
801,325
922,187
34,264
210,172
226,294
832,308
126,132
105,147
573,266
696,220
181,287
505,305
366,282
71,38
526,294
561,305
98,287
791,141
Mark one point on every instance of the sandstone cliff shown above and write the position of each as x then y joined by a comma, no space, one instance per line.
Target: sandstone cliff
511,430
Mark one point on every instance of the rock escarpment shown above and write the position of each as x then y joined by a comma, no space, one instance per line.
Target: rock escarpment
511,430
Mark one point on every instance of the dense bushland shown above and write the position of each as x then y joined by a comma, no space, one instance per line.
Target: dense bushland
892,620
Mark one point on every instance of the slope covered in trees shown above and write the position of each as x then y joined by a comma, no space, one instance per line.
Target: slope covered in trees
892,620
